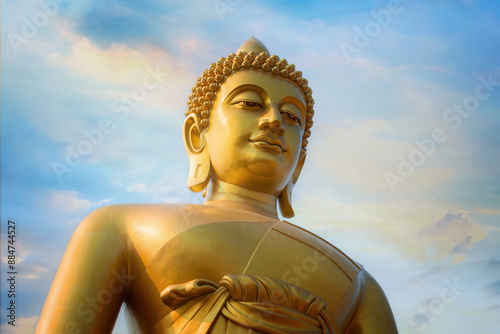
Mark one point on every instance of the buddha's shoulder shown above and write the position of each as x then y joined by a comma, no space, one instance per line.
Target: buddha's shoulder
162,219
120,217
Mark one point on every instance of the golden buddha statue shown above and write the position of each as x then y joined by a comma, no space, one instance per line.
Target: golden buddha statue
229,265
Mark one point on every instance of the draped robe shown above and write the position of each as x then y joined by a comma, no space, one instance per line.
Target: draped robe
232,277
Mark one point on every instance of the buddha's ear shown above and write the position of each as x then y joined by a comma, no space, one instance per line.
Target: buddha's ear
199,158
300,164
285,198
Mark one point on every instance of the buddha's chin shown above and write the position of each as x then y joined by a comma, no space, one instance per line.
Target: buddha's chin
263,169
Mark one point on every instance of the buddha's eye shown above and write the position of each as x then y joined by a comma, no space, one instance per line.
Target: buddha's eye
250,105
291,117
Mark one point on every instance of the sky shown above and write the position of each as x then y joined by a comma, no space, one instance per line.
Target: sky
403,165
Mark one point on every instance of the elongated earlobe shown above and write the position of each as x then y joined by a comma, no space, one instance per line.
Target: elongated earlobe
285,198
285,201
199,158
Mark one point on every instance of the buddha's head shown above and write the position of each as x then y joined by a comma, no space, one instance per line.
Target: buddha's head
247,124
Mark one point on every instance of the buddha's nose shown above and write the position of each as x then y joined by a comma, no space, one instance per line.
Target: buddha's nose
272,122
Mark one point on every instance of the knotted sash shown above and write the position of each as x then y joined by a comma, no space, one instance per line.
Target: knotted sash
245,304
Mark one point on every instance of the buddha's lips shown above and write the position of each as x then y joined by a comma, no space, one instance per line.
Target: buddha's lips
268,140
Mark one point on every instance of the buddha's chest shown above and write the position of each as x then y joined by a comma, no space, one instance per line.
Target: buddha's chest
211,251
282,251
206,251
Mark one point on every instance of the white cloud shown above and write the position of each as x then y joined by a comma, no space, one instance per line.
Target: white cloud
84,82
119,64
487,211
68,201
138,187
356,155
32,271
23,326
158,191
451,236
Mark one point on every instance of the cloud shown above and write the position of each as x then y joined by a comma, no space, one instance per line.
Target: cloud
453,236
494,288
119,64
157,191
438,69
494,309
23,326
492,263
487,211
138,187
429,272
95,82
68,201
356,154
32,271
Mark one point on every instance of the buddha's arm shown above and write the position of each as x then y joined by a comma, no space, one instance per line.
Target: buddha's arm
374,315
92,279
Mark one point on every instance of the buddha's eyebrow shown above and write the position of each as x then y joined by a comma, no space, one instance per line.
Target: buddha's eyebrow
294,100
244,87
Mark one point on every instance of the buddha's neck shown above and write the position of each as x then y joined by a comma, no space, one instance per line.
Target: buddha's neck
227,195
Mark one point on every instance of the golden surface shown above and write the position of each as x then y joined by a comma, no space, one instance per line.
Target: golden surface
171,264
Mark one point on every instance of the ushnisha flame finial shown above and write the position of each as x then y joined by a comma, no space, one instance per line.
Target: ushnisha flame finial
252,44
251,55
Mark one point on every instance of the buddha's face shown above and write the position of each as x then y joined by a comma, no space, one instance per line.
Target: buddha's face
255,133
